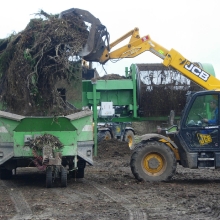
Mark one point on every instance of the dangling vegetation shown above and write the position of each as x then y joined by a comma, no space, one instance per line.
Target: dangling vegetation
33,60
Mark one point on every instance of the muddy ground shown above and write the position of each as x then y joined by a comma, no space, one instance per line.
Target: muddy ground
110,191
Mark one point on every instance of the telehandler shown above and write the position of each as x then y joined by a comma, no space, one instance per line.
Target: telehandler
194,143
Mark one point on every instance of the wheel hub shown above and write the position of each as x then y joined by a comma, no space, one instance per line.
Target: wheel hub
153,164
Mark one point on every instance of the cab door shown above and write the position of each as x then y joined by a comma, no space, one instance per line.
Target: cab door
200,124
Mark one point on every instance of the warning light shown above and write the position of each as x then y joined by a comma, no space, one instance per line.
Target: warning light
145,38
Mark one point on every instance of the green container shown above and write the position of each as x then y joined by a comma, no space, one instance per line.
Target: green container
16,131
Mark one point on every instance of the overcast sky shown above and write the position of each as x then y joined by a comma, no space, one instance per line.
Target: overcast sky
191,26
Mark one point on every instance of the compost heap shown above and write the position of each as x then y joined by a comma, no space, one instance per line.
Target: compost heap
112,76
32,61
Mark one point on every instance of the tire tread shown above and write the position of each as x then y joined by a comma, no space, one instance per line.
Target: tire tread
140,148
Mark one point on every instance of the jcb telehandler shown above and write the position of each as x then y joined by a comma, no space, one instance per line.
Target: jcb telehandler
195,142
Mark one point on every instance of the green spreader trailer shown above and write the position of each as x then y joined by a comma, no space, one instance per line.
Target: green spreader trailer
61,146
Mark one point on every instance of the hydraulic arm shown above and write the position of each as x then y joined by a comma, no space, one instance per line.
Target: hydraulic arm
98,49
138,45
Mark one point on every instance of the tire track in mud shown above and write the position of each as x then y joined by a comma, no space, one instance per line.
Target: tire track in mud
21,205
134,212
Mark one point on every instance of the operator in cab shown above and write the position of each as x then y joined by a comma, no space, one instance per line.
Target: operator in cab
214,106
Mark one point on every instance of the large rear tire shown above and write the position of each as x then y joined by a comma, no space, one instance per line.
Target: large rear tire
63,177
104,135
79,173
129,137
153,161
49,177
5,174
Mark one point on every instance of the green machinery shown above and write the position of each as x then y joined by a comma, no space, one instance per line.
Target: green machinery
59,145
67,144
131,99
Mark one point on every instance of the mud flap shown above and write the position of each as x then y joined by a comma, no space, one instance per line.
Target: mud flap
85,151
6,152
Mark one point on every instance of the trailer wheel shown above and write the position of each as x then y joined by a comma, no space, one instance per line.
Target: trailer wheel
63,177
104,135
5,174
49,177
129,137
79,173
153,161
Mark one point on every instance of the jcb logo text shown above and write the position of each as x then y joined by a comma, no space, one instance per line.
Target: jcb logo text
197,71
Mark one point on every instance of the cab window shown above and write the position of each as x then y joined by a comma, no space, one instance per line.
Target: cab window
203,110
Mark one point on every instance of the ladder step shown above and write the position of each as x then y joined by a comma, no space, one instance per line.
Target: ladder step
205,159
206,168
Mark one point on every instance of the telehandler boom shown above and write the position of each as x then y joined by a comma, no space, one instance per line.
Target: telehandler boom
98,49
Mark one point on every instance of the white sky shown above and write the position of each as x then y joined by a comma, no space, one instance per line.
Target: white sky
191,26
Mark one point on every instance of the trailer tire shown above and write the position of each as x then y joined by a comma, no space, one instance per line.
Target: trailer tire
153,161
63,177
129,137
49,177
103,135
79,173
5,174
